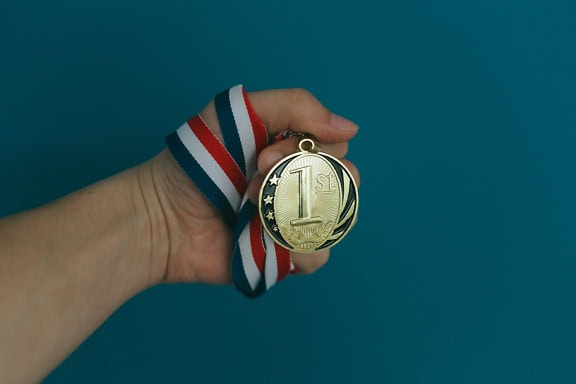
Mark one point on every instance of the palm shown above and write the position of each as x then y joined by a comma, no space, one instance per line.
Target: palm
200,243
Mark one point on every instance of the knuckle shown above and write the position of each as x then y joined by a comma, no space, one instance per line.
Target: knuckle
301,96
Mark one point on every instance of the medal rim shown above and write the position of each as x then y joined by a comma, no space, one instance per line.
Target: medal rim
289,158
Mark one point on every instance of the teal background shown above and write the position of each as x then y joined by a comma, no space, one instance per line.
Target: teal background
462,266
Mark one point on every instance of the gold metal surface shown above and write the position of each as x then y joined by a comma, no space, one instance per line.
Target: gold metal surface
308,201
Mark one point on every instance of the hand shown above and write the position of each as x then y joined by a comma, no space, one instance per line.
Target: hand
190,242
66,266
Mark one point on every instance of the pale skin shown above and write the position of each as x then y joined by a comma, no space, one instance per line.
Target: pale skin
67,266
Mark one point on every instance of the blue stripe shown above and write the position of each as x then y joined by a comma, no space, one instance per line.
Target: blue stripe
229,129
247,211
238,274
201,178
260,289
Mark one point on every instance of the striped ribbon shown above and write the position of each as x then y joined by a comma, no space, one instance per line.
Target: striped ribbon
222,171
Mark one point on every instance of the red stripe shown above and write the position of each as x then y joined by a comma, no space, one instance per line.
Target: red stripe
260,133
218,152
282,261
256,243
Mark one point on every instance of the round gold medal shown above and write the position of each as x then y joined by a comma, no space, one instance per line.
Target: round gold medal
308,200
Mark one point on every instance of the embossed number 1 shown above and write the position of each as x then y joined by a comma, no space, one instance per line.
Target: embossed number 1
304,198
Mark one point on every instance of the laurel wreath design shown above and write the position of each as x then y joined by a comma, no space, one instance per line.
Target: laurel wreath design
296,236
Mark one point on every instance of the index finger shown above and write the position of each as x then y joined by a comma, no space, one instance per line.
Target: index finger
299,111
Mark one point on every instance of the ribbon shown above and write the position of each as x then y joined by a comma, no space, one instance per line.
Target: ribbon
222,171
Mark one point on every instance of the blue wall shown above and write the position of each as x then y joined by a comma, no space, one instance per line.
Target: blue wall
462,268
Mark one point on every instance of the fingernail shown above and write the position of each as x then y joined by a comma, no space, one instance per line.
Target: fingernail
342,123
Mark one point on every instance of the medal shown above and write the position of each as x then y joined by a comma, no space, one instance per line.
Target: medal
309,200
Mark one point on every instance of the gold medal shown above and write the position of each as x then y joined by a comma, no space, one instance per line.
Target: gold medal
309,200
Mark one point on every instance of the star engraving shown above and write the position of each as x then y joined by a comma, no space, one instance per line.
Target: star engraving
274,180
268,199
270,215
275,228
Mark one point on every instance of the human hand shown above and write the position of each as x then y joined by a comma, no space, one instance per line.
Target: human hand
189,241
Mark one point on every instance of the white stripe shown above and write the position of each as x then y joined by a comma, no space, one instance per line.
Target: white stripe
244,200
245,130
250,268
209,165
270,265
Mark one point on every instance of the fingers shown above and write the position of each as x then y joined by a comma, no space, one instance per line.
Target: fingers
310,262
298,110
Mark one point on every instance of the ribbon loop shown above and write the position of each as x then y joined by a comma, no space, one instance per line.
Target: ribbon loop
222,171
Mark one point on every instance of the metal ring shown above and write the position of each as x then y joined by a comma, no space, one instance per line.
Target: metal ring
310,143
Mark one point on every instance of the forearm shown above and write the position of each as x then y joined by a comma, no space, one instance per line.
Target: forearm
65,267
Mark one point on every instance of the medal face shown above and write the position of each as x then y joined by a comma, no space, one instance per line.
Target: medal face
308,201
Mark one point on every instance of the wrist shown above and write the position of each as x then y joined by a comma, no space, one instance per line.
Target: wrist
150,222
186,237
